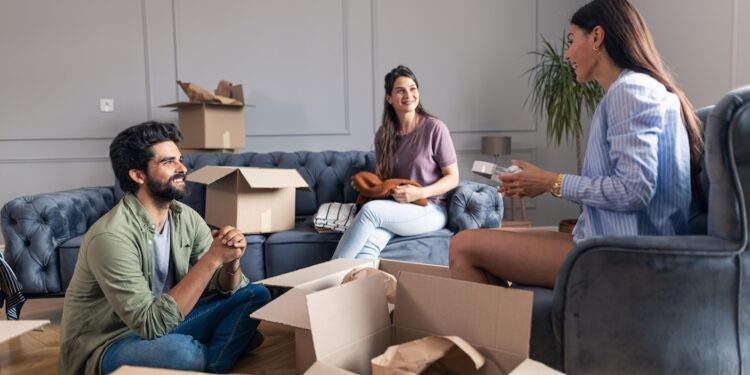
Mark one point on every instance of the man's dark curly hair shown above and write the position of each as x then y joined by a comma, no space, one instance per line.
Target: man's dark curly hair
131,149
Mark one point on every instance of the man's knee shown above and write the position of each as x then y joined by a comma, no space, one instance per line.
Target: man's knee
261,295
184,352
255,294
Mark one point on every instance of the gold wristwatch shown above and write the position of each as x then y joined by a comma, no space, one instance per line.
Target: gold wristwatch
556,189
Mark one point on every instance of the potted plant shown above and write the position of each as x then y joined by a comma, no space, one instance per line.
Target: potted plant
556,93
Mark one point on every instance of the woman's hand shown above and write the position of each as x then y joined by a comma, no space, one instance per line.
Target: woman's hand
407,193
529,182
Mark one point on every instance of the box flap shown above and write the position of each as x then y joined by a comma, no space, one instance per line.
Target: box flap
272,178
320,368
289,309
484,315
209,174
532,367
316,272
180,105
394,267
346,315
12,328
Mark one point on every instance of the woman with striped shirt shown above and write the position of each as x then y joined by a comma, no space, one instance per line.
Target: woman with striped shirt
636,180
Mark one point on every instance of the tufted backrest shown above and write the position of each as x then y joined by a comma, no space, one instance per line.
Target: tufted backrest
328,173
35,226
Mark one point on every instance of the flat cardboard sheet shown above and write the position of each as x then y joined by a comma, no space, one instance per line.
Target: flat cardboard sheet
12,328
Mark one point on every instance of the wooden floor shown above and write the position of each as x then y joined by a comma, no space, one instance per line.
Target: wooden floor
37,352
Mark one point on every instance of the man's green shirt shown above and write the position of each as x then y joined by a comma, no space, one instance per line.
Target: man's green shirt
110,293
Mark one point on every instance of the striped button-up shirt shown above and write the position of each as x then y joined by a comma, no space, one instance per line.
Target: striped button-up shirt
636,172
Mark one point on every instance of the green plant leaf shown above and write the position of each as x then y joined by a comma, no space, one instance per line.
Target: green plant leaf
556,93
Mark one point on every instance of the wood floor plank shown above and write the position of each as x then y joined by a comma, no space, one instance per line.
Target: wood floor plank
37,352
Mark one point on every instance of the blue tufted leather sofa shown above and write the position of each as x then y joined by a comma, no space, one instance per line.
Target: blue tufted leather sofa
43,232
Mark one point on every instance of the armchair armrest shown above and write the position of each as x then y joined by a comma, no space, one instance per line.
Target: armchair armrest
473,205
649,305
35,226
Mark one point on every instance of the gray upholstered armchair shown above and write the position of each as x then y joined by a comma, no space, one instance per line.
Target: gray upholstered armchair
663,305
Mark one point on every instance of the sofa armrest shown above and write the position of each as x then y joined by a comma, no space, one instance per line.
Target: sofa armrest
473,205
647,305
35,226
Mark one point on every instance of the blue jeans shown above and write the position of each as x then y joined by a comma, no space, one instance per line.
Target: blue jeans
379,220
210,338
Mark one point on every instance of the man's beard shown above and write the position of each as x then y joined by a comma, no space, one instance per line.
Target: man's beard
166,192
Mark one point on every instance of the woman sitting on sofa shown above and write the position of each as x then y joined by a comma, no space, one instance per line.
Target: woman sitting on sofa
410,144
636,176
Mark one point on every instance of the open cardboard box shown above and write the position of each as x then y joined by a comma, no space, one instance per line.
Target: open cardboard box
340,328
213,124
253,200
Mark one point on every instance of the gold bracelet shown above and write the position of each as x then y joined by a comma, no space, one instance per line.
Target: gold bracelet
556,189
233,272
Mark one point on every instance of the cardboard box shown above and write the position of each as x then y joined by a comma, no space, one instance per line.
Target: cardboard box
12,328
211,121
340,328
211,125
254,200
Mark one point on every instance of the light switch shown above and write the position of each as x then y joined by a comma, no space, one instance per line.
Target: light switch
106,105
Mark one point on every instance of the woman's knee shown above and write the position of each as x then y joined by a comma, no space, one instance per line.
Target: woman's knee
369,211
458,252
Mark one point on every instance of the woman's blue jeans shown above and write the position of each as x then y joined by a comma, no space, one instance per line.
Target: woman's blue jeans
210,339
379,220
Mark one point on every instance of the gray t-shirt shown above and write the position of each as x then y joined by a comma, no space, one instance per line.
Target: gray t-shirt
421,154
162,277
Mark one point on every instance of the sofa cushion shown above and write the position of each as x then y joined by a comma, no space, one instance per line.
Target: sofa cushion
304,246
298,248
430,248
68,257
253,265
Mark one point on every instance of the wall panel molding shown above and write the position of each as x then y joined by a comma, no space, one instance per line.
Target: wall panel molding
60,59
91,159
470,59
308,126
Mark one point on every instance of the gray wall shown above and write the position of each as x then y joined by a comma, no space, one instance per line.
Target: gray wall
312,69
706,44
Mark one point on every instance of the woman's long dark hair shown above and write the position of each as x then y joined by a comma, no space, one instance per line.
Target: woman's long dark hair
630,45
390,125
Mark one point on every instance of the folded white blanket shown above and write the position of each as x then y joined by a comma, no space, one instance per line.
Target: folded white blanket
334,217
